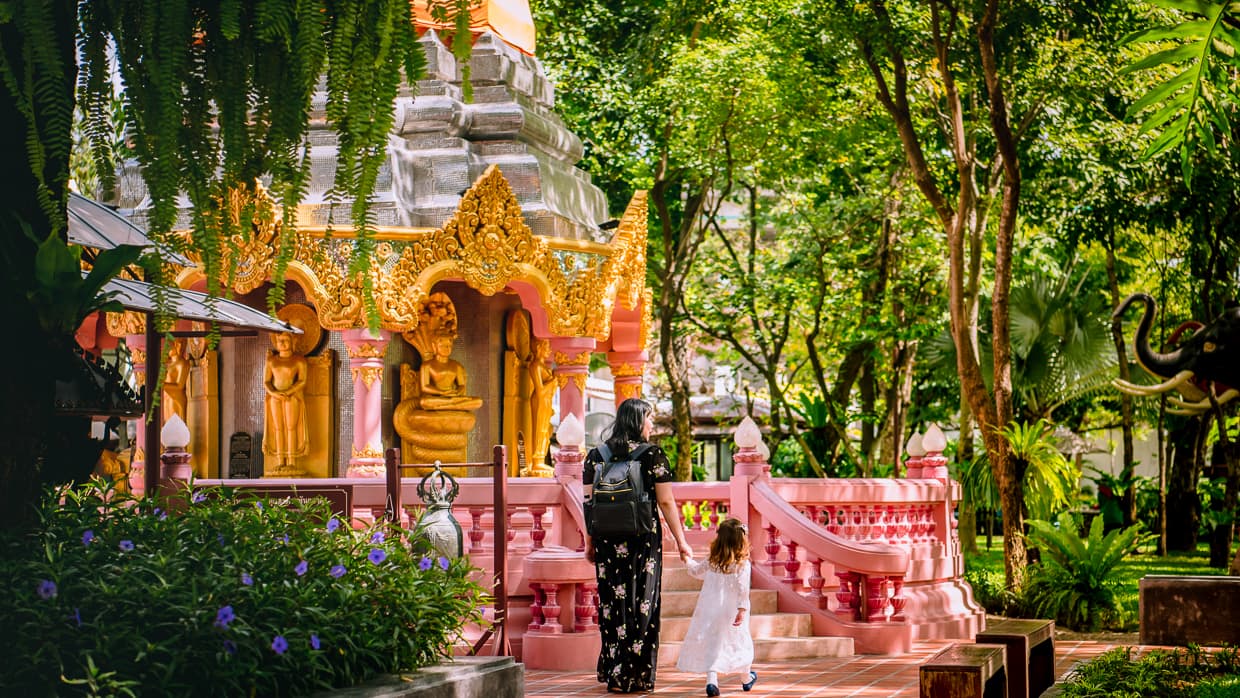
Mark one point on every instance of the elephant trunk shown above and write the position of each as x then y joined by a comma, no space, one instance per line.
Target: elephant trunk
1165,365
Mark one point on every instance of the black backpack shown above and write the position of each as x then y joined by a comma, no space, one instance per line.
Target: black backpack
619,504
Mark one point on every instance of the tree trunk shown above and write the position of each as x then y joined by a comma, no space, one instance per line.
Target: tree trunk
1129,503
29,357
1185,444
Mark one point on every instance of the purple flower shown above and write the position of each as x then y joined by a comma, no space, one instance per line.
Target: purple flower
332,524
160,513
259,505
224,616
47,589
230,647
246,579
88,537
443,563
425,564
279,645
376,556
377,537
301,568
125,545
338,571
198,497
285,539
314,641
220,538
77,617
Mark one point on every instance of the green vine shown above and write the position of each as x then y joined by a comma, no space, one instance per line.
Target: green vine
219,96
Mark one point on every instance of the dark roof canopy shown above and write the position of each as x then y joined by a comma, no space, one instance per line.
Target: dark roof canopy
192,305
91,224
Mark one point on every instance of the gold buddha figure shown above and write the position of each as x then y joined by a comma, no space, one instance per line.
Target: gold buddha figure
285,436
442,380
542,393
176,380
435,414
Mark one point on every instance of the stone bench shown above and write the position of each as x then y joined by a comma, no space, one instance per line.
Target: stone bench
1030,654
1182,610
965,671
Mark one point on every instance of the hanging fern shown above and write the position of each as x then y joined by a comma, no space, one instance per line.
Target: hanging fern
219,97
1189,107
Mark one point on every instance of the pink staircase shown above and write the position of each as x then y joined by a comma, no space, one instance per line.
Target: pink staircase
775,635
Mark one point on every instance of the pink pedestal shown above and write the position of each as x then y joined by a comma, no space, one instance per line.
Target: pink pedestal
572,367
563,633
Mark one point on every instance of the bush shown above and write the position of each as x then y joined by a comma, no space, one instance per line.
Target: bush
227,596
1074,584
1171,674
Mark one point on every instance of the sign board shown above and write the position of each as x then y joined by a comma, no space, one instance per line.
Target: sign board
240,463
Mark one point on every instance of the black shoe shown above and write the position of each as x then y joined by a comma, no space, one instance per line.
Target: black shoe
712,689
753,678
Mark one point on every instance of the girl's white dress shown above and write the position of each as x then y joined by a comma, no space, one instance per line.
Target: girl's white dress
712,642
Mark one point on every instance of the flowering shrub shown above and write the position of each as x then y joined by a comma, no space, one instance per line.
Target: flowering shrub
226,596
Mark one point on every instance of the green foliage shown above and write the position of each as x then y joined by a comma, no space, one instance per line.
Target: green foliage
1074,584
1200,56
111,596
1170,674
1049,479
62,295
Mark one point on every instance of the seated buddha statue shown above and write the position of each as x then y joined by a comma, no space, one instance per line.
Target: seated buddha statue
442,380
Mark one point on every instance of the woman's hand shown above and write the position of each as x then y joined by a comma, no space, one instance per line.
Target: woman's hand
740,617
686,552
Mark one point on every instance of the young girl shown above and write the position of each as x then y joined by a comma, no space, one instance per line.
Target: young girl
718,639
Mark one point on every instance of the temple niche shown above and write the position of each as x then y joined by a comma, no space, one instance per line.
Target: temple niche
493,284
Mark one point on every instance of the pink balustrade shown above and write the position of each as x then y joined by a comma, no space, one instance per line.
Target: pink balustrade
877,560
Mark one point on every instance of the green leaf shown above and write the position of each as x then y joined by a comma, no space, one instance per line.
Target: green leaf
1175,54
1185,30
1160,92
1201,7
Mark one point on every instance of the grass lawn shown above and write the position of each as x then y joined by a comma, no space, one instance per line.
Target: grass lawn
1129,572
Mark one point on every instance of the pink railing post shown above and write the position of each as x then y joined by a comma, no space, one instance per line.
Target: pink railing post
772,548
585,609
475,529
816,582
875,598
792,565
538,534
551,609
536,608
844,596
897,599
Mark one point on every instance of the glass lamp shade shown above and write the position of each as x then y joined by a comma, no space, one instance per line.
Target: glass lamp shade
747,434
174,434
934,441
571,432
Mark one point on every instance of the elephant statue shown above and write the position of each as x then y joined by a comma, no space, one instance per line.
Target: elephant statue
1206,363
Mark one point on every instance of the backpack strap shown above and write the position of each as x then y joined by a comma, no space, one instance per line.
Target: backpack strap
635,470
605,454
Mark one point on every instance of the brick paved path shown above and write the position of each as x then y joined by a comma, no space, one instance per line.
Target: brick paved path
862,676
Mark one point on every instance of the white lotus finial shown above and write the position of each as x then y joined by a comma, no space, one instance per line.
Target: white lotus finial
747,434
934,441
571,432
764,451
174,434
913,448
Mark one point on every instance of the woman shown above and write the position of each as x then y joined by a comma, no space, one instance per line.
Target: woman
630,568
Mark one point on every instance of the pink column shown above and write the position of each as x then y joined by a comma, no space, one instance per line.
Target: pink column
366,351
569,468
572,366
137,466
627,369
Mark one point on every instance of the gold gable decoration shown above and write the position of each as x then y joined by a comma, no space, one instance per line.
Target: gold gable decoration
486,244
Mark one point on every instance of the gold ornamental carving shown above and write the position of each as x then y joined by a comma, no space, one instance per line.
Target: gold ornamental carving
486,244
367,451
581,359
625,391
366,351
137,355
125,323
578,379
304,318
626,370
368,374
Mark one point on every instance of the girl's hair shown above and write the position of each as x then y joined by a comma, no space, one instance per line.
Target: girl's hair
730,546
630,418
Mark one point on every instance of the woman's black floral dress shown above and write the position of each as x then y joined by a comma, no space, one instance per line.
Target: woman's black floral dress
629,571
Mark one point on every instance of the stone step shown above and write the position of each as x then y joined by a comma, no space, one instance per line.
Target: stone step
679,579
767,625
681,603
775,649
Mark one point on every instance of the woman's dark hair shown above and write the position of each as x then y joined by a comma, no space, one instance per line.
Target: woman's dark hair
630,418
